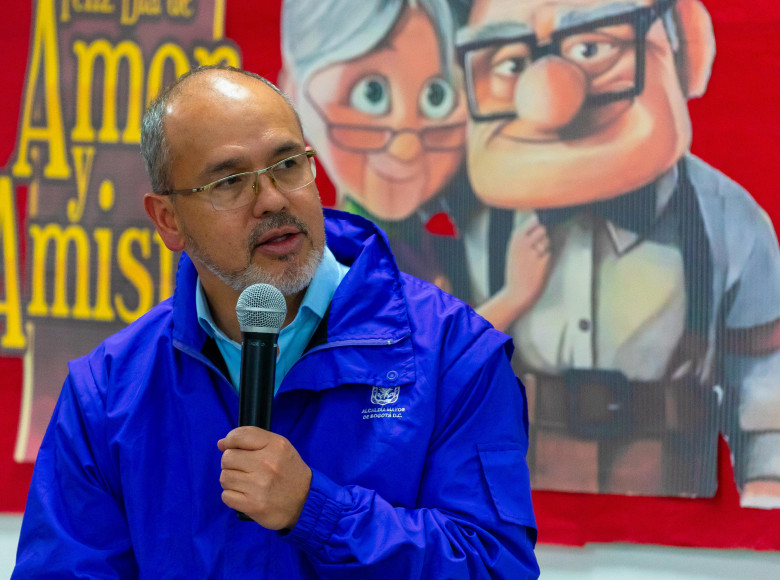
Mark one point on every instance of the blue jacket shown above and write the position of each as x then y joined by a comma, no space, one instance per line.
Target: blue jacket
404,406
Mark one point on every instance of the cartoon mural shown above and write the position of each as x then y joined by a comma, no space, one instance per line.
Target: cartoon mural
655,327
531,156
591,234
390,134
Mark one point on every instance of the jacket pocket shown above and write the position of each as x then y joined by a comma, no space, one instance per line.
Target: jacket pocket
506,473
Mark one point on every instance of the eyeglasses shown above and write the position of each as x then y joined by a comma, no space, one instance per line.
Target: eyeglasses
610,52
238,190
373,138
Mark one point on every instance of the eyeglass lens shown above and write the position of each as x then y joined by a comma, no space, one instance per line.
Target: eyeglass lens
607,56
238,190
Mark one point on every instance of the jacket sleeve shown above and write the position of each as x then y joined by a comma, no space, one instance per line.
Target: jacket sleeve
473,517
74,525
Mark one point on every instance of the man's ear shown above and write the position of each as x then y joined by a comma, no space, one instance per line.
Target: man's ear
163,213
698,46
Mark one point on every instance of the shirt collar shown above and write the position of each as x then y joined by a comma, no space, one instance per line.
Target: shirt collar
316,300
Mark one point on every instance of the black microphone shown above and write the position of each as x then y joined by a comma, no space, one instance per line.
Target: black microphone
260,310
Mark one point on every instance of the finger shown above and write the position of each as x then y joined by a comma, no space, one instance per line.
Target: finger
235,499
537,233
245,438
238,459
542,246
236,480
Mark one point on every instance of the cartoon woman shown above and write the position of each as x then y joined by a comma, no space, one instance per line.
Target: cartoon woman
374,84
381,101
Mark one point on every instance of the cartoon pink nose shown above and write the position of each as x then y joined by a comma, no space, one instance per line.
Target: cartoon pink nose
550,93
405,145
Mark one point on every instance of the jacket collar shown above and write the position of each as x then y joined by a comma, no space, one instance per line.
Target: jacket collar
378,318
381,313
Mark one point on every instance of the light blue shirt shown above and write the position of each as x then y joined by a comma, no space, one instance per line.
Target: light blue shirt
294,337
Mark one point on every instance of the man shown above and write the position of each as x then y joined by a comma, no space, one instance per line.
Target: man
398,443
661,300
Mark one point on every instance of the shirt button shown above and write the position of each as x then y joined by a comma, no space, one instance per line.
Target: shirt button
392,375
584,325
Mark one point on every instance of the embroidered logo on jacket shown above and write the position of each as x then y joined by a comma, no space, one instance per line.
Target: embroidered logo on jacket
381,397
384,395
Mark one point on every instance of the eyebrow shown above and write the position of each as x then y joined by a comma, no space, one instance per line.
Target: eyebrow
492,31
512,29
233,164
577,17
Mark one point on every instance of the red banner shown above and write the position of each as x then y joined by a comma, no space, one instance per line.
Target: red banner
88,191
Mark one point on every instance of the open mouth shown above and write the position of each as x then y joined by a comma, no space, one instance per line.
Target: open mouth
280,241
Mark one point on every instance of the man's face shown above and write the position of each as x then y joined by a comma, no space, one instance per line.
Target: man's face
390,128
561,146
225,123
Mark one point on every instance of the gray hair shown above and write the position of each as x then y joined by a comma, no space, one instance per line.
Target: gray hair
319,33
155,148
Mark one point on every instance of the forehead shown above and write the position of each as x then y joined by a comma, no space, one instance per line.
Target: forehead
530,11
222,106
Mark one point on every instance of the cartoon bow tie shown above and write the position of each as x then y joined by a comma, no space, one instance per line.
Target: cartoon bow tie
634,211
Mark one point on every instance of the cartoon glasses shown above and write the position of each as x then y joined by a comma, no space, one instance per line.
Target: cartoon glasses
610,51
370,137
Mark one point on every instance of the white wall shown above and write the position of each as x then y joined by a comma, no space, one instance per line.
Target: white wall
598,561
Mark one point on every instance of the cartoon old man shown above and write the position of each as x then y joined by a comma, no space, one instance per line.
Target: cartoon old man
656,322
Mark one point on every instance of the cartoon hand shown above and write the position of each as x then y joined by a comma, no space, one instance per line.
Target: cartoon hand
263,477
527,261
527,266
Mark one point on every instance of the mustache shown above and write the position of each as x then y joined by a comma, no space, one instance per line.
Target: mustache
274,221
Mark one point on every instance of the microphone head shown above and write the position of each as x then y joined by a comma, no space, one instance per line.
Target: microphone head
261,308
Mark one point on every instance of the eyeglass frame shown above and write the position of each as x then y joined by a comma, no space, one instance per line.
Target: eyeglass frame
309,153
330,126
642,19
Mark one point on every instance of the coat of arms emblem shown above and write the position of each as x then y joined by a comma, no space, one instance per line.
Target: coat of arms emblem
384,395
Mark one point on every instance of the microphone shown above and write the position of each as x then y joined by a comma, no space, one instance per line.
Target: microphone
260,310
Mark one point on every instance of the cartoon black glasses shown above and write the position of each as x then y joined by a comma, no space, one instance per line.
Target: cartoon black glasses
610,51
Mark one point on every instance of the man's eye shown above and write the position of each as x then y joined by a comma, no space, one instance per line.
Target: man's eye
371,95
229,182
288,164
437,99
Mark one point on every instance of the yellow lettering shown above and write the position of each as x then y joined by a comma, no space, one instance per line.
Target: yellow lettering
102,310
83,131
63,239
156,75
82,158
10,306
179,8
133,9
135,272
44,59
221,55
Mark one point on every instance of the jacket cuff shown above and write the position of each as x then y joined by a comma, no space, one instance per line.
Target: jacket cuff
324,507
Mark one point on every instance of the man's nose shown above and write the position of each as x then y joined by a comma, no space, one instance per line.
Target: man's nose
405,145
268,198
550,93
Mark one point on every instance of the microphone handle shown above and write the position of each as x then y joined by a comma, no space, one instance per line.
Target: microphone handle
258,375
256,386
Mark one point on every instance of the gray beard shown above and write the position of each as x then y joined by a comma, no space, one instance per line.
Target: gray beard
288,282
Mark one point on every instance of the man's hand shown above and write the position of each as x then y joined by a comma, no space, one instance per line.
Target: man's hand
264,477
